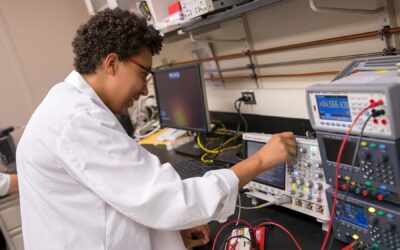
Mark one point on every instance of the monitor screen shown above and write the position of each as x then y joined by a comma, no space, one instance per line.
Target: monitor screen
353,214
181,98
332,147
274,177
334,108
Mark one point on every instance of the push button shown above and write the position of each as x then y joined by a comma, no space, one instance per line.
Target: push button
373,145
390,216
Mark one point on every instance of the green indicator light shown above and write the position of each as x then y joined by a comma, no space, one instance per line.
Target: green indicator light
314,149
375,246
367,183
381,213
372,145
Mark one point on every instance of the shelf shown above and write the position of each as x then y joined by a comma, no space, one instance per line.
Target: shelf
226,15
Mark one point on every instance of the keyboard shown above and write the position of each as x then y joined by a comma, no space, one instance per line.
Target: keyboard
228,157
188,168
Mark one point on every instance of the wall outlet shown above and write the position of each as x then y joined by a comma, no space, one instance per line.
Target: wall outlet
249,97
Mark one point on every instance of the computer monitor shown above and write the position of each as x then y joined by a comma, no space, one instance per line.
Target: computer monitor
181,98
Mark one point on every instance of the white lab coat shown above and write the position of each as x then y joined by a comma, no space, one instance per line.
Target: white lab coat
4,183
85,184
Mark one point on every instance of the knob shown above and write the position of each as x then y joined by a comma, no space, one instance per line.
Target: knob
303,150
318,175
365,156
307,165
300,194
382,196
319,186
318,165
375,193
300,181
373,220
389,226
383,159
318,200
309,184
292,179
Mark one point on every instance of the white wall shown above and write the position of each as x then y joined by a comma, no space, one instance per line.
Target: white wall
35,52
290,22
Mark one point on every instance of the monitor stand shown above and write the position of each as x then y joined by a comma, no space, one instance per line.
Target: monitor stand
191,149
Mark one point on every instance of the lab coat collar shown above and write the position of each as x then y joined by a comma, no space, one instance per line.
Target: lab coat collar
77,80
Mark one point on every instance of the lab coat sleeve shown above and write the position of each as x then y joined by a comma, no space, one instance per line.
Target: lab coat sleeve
4,184
101,156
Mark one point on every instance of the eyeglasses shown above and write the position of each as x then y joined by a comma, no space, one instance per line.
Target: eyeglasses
149,72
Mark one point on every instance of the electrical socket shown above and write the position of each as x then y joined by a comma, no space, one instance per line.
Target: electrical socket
249,96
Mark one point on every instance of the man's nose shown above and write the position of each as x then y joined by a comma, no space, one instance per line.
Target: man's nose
145,91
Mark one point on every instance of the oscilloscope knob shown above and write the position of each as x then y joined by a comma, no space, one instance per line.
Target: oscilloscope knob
300,181
318,175
389,226
383,159
365,156
373,220
303,150
307,165
318,199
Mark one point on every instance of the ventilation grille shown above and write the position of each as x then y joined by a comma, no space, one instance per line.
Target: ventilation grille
388,62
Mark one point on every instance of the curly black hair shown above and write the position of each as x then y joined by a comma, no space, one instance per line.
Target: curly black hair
112,31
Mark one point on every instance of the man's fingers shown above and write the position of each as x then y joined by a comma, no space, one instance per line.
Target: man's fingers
203,233
287,134
205,230
291,142
292,150
199,242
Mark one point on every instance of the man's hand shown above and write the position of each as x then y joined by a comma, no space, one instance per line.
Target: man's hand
196,236
280,148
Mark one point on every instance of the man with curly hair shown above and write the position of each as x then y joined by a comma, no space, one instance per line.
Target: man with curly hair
85,184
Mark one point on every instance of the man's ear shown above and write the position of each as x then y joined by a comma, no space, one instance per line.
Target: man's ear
111,63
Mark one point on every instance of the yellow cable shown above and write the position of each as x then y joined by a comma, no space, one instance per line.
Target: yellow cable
219,122
209,161
204,160
204,148
213,151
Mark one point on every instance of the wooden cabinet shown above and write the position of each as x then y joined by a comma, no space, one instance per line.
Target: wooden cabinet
10,222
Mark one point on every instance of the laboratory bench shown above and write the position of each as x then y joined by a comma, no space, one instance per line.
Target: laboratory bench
307,230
